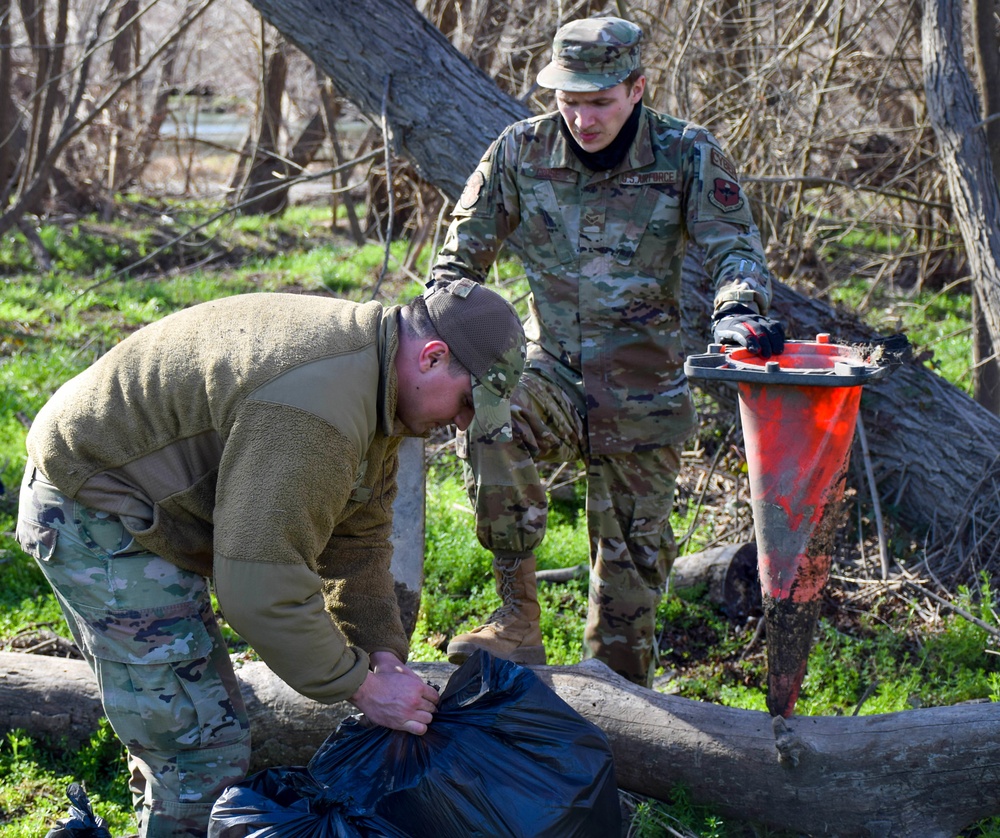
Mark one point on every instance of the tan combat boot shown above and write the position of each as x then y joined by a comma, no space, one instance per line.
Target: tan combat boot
512,631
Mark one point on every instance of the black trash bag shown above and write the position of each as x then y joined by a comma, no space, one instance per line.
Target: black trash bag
291,803
504,756
82,822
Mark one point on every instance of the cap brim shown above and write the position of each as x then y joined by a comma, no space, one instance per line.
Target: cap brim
492,413
559,78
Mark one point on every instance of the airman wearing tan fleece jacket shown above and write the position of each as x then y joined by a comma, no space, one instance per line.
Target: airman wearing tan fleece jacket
251,440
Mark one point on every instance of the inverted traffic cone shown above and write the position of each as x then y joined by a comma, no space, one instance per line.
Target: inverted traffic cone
798,445
798,411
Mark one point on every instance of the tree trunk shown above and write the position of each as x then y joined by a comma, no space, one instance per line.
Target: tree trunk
258,181
408,531
123,113
986,366
986,371
987,51
331,111
12,133
442,110
729,573
915,774
934,447
965,152
33,19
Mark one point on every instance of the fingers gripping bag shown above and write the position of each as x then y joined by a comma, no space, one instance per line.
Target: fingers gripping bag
504,757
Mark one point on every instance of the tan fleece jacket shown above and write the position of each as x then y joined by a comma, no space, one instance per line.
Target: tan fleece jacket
249,439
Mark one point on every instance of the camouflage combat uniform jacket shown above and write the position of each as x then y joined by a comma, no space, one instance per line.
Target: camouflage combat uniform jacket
603,252
252,439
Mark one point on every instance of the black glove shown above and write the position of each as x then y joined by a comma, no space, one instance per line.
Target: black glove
736,323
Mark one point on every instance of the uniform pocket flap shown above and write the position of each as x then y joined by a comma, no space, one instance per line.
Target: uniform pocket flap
37,540
168,634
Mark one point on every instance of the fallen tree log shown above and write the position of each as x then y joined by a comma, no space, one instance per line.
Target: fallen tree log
917,774
729,573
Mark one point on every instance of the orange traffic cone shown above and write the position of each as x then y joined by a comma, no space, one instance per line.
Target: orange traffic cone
798,411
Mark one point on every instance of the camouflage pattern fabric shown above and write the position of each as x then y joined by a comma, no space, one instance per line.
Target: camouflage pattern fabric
629,499
605,381
603,252
148,631
592,54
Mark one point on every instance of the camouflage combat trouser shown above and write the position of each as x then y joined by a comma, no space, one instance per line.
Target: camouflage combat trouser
629,499
148,631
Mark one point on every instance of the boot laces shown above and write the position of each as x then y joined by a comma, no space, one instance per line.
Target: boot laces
508,574
498,617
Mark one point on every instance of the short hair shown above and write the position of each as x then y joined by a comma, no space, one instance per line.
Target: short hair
418,325
633,77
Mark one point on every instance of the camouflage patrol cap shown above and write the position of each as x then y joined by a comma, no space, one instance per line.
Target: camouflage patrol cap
592,54
485,334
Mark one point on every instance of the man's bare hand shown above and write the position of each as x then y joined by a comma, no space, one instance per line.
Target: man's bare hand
394,696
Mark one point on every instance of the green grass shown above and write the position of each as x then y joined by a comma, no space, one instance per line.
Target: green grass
458,581
883,667
653,819
34,777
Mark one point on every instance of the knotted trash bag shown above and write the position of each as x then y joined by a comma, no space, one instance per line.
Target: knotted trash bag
504,757
82,822
291,803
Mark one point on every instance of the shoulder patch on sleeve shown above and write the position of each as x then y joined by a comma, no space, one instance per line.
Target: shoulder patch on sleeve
472,191
726,195
721,161
721,185
475,197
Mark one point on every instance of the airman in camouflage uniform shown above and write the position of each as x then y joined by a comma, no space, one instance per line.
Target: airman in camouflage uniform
600,198
252,441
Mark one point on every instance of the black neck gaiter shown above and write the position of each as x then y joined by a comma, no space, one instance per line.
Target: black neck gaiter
609,157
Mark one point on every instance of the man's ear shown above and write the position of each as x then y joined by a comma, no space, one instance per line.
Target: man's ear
637,90
433,353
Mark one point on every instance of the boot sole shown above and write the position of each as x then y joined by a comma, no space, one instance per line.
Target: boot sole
527,655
